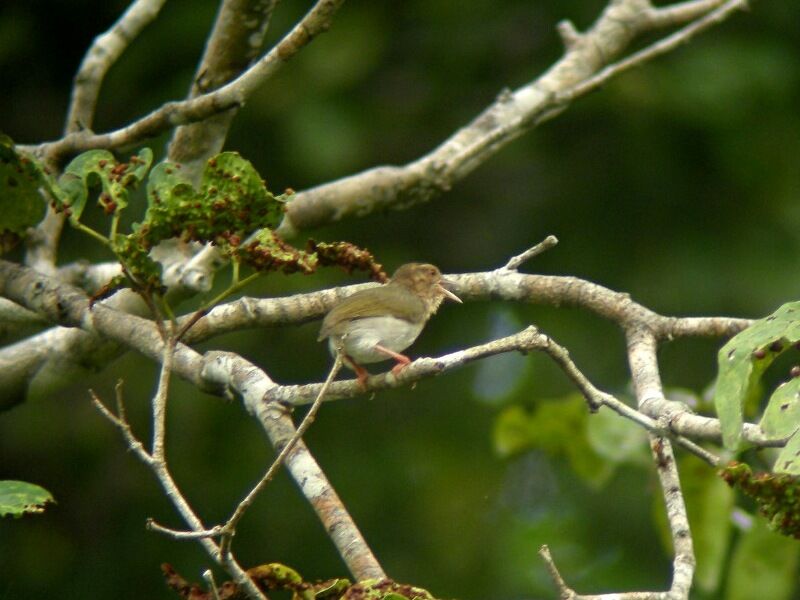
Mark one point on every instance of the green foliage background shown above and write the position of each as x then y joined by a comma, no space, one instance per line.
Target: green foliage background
678,183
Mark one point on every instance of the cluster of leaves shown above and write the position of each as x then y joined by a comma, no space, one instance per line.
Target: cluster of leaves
777,495
275,576
742,363
230,204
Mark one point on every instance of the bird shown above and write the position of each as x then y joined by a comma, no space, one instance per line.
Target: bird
377,324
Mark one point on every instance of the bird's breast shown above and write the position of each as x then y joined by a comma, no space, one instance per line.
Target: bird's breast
361,335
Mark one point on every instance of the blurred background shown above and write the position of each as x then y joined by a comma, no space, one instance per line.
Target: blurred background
678,183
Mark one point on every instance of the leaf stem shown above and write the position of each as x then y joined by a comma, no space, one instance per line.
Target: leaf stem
234,287
95,234
112,234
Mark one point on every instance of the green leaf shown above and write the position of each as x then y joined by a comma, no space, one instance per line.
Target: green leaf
782,415
19,497
100,170
232,203
744,359
764,565
233,187
788,460
21,205
134,254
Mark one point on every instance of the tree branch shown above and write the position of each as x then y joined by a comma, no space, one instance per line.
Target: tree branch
578,72
234,43
158,465
229,528
102,54
230,96
218,373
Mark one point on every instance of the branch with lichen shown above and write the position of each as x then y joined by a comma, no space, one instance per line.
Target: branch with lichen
232,95
223,373
589,61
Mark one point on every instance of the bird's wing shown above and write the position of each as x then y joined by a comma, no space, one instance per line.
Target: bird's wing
370,303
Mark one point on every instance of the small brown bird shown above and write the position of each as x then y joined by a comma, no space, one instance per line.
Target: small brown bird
379,323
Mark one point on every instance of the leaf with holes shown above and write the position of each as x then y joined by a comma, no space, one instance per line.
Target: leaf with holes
236,196
788,460
782,416
99,170
744,359
21,205
232,203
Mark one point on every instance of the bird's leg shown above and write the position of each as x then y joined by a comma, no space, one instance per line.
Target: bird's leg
402,359
361,372
361,376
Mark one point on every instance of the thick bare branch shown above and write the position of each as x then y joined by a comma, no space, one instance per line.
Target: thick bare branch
643,364
646,380
229,528
29,356
683,564
234,43
586,64
254,386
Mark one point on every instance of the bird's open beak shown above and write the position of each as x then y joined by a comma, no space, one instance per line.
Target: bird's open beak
447,292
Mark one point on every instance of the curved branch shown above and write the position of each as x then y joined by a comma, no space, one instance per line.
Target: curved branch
232,95
141,335
103,53
584,67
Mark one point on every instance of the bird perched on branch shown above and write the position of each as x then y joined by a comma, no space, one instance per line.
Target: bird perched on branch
377,324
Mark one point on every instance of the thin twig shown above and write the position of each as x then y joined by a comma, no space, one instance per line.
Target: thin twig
565,592
516,261
667,44
120,421
160,401
178,534
208,575
172,491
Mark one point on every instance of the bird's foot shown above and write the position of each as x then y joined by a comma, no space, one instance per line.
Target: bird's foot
400,366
